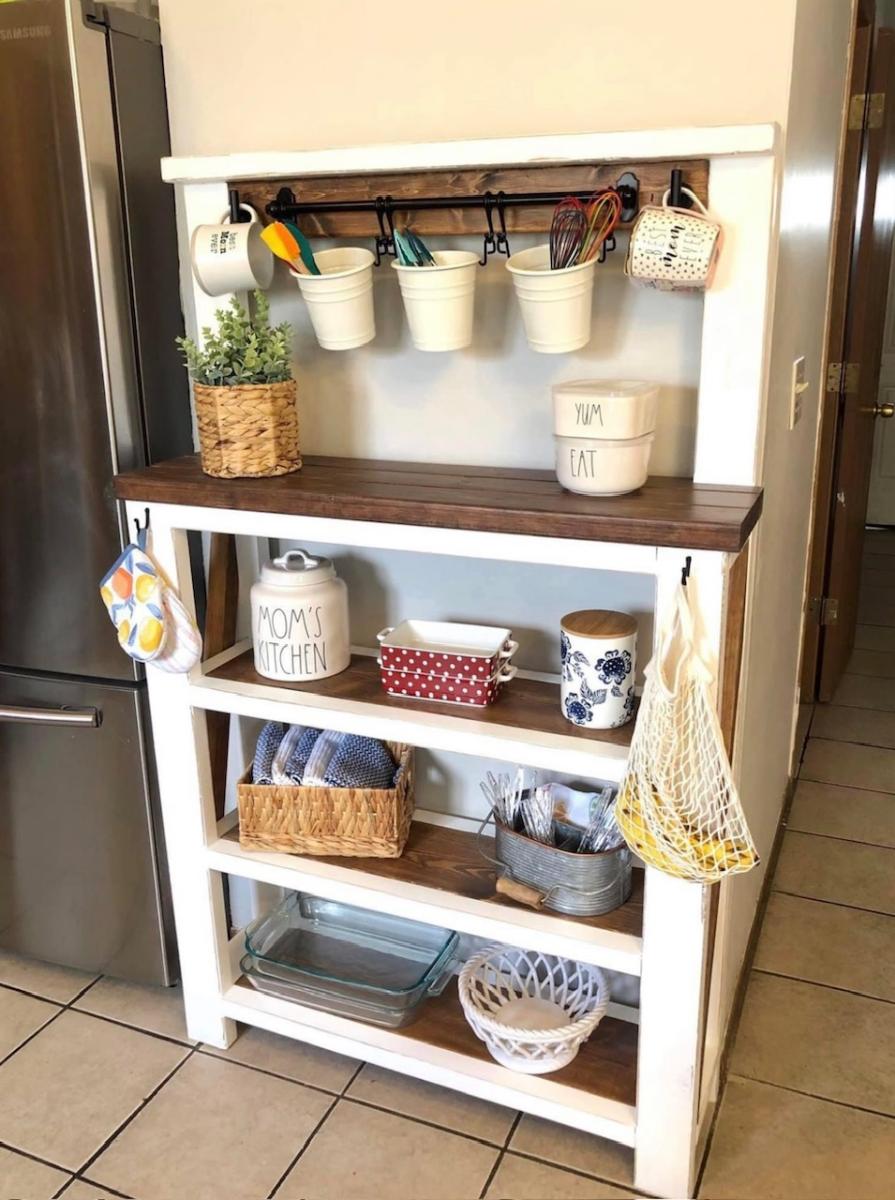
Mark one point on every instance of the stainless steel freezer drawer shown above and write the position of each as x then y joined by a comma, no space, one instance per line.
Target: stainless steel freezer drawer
80,883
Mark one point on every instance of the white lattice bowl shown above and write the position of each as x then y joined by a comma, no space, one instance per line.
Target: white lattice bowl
532,1011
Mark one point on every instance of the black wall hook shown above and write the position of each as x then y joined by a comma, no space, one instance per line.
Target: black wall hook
385,242
685,570
494,242
145,526
678,198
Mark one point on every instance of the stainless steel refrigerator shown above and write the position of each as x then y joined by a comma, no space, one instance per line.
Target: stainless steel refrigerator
90,383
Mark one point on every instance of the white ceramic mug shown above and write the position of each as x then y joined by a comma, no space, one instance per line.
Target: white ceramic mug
674,249
599,658
231,258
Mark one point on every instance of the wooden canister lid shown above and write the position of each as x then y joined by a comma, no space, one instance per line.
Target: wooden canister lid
599,623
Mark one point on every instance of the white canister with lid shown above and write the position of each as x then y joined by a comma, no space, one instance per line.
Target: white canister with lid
300,619
604,408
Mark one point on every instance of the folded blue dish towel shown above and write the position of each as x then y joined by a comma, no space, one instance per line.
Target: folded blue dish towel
347,759
265,751
360,762
298,759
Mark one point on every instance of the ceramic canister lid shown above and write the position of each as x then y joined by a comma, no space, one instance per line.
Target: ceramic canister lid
599,623
297,568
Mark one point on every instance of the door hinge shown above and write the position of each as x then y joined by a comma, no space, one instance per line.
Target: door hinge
867,111
843,377
824,609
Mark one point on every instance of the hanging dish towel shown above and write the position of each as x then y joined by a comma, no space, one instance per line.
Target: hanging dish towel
678,806
152,622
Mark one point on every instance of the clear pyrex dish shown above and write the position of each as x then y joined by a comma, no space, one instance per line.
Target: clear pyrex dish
348,960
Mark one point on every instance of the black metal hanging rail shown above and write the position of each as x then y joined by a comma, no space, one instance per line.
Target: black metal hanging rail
286,207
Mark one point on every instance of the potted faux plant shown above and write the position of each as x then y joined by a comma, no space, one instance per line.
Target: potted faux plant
244,394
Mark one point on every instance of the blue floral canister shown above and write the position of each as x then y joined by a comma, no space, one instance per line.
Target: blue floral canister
599,658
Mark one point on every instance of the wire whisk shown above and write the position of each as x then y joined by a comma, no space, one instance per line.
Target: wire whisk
603,211
567,231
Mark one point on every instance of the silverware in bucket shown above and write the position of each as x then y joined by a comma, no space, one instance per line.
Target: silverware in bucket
580,885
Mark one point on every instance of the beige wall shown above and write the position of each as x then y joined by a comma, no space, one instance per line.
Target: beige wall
283,75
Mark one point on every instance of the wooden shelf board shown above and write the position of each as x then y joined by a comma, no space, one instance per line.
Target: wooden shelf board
525,722
445,880
664,512
596,1092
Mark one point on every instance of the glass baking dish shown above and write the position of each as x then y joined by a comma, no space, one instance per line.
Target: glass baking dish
347,960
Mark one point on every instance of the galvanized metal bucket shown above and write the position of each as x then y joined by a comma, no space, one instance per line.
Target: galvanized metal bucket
580,885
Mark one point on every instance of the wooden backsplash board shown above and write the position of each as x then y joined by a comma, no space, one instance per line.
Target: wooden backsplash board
654,179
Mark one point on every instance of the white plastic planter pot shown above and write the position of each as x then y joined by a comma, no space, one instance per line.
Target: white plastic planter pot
340,298
556,305
439,300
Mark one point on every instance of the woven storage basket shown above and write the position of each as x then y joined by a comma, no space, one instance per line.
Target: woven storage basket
347,822
249,430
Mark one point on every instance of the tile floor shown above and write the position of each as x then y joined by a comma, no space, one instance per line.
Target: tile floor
102,1094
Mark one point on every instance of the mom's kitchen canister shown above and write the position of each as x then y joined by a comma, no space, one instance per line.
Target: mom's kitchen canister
300,618
599,657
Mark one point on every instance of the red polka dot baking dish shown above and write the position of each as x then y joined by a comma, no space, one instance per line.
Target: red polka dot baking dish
446,648
416,685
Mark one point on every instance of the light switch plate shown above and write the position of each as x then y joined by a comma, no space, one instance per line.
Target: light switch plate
799,388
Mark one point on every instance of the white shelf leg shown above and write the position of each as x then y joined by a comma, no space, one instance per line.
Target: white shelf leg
675,942
187,802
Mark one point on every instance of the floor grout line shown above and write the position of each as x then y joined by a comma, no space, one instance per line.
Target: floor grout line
495,1166
834,837
832,987
838,903
394,1112
235,1062
305,1144
46,1162
153,1033
136,1112
873,1112
849,787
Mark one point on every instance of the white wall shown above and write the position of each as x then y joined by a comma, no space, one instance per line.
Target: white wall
278,75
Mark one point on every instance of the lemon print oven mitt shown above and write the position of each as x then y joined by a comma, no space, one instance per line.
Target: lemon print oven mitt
153,624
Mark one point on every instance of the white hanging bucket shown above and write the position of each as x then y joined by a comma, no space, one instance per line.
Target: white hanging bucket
439,300
556,305
340,298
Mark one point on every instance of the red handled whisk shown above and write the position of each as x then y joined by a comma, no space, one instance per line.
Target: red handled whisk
602,215
567,231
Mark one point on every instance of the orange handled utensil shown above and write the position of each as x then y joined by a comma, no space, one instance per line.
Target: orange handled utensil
279,241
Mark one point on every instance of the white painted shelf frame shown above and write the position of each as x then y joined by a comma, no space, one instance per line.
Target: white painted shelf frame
686,972
673,944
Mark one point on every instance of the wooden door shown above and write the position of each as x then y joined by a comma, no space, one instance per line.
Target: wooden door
865,324
881,502
849,202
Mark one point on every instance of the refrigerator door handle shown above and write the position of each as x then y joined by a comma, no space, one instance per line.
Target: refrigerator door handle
89,718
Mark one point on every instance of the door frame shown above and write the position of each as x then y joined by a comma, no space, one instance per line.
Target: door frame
847,229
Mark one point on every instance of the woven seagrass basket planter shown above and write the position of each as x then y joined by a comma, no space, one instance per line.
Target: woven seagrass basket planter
344,822
247,431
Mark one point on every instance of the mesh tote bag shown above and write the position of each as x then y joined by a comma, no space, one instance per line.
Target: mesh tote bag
678,807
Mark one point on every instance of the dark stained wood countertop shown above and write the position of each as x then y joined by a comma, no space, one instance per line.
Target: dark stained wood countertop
664,512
